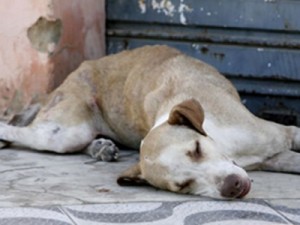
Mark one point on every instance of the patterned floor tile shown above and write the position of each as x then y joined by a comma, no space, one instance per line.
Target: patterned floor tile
33,216
185,213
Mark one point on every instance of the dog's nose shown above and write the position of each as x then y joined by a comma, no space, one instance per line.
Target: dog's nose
235,186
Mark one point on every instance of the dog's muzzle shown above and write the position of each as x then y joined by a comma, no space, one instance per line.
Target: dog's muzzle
235,186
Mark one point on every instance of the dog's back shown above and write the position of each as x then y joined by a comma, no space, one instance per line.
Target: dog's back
132,86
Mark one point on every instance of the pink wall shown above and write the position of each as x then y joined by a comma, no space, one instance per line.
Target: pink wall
41,42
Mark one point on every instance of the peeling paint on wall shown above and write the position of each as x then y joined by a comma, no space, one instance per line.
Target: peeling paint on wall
44,34
168,8
165,6
182,9
142,6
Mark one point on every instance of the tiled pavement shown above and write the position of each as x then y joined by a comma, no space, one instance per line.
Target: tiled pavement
43,188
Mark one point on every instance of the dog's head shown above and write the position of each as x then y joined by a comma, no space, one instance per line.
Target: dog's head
179,156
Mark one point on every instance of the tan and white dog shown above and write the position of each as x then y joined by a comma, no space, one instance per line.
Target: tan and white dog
194,134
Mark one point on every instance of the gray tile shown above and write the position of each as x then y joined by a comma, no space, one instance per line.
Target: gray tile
267,185
31,178
39,179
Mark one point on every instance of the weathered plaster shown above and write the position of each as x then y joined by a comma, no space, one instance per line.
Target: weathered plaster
41,42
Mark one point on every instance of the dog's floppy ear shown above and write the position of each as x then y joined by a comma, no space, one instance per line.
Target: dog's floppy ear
132,177
188,113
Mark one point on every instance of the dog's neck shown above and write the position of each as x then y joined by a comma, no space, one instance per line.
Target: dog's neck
164,110
160,120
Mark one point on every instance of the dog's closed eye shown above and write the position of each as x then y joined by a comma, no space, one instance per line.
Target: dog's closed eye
196,154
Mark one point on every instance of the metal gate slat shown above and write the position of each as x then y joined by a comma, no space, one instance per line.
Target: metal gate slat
255,43
253,14
233,60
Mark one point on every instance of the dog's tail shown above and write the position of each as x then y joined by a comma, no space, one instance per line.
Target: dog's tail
26,116
22,119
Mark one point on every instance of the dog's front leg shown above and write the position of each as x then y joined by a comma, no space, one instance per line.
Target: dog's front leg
295,135
287,161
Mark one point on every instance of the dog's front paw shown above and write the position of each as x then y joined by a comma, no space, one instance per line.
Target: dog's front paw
103,149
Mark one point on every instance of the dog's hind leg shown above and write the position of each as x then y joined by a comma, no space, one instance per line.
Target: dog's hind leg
49,136
287,161
66,128
26,116
22,119
63,125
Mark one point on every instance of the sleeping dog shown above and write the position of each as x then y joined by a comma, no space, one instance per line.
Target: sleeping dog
194,134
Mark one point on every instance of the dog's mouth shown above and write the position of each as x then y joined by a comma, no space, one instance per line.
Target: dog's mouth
246,189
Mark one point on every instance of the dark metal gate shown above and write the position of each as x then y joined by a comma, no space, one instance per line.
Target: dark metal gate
255,43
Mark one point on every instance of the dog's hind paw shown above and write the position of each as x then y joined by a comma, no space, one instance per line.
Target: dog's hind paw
103,149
